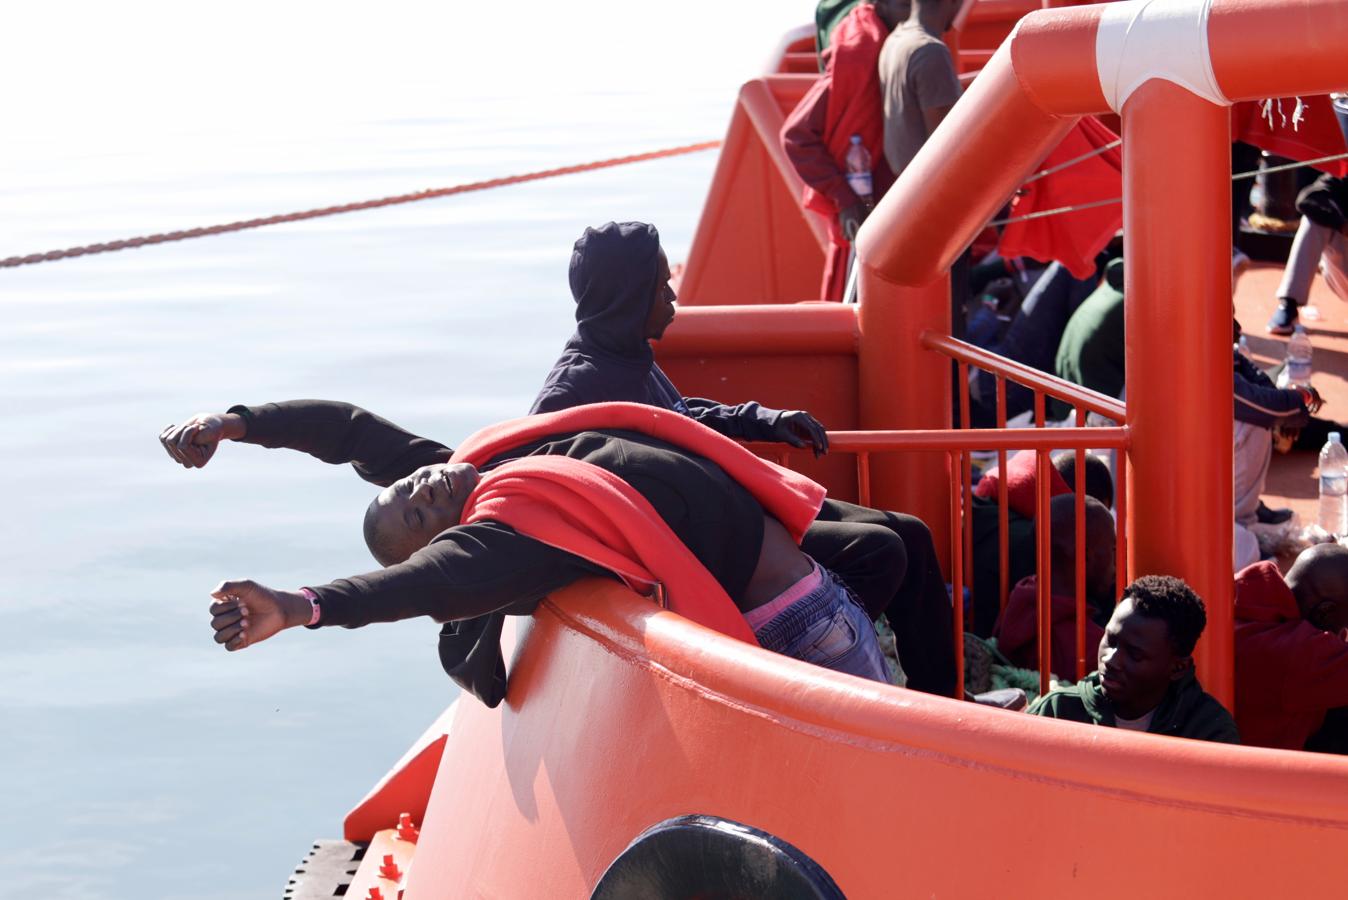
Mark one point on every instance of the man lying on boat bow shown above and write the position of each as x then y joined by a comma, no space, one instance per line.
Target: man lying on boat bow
526,507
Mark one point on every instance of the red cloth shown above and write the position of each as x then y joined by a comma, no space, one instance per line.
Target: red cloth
844,101
588,511
1288,672
1075,238
1020,483
1017,631
1317,135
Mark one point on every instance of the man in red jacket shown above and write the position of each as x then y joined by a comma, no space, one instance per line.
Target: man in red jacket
1017,631
817,134
1291,657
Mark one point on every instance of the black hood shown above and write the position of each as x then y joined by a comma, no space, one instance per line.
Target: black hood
613,279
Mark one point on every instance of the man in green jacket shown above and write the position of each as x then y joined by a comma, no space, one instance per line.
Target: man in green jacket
1145,680
1090,352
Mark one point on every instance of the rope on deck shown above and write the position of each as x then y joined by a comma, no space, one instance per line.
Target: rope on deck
165,237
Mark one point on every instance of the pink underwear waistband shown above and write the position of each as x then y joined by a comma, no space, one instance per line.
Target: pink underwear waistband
762,615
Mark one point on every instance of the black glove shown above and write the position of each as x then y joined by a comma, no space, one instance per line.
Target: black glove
800,429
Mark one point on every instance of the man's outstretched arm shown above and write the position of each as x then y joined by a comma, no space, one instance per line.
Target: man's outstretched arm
332,431
468,571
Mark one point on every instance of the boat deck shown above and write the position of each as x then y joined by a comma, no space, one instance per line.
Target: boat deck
1292,476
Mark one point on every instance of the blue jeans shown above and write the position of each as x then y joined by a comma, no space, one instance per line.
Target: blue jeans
829,628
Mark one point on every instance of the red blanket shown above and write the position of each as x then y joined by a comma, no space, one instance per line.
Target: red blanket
1074,238
589,511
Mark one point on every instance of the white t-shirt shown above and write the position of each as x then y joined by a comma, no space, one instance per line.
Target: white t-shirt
1142,723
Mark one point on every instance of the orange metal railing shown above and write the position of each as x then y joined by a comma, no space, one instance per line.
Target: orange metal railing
958,444
1047,74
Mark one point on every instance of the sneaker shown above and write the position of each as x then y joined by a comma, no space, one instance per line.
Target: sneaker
1240,263
1284,319
1265,516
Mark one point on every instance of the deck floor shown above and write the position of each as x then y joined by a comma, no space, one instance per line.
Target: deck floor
1292,476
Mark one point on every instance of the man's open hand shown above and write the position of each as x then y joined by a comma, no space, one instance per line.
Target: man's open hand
193,443
800,429
245,613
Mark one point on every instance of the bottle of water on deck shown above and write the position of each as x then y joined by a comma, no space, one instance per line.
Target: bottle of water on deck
1299,359
859,171
1334,486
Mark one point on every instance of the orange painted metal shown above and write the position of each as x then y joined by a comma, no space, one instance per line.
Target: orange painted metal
804,328
800,356
1177,214
1080,553
406,787
1043,565
996,137
754,243
965,471
957,532
1021,374
385,868
1003,507
539,795
918,440
902,386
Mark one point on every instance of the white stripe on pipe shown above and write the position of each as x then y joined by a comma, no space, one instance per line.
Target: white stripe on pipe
1140,40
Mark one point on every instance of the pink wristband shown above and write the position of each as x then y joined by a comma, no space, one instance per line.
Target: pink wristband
315,604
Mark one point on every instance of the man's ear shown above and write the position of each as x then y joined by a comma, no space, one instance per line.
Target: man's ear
1181,667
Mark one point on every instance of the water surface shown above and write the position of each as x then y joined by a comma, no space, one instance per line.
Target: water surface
139,759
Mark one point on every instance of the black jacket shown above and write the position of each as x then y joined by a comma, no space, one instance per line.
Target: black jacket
1325,202
471,576
614,280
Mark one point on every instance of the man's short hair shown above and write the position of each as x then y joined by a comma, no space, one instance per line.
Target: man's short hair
381,544
1099,483
1169,599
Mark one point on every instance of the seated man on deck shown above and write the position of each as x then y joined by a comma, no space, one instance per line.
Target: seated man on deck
1018,628
1291,656
688,510
620,281
1145,680
1020,541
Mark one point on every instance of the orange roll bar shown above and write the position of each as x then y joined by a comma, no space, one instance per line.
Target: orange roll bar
759,330
1177,209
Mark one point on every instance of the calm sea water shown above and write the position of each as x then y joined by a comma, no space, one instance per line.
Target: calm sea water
138,759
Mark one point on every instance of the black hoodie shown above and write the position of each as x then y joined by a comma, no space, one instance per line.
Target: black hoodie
614,280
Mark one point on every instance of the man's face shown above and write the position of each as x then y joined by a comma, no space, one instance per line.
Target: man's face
413,510
1137,661
662,307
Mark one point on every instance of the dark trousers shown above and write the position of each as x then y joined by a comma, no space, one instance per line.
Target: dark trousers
918,609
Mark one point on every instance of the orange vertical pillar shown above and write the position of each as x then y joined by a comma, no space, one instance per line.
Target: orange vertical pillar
1177,245
903,385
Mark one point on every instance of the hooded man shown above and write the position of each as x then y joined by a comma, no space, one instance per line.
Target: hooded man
1291,657
620,281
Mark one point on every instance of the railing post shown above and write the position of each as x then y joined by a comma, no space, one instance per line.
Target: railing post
1177,213
903,385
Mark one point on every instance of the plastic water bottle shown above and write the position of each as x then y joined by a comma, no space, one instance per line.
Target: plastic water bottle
859,171
1299,359
1334,486
1243,347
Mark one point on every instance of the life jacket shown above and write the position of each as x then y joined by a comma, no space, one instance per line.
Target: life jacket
591,512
